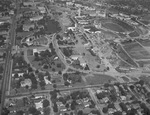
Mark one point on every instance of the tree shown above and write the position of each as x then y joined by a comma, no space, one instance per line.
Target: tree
45,66
67,105
32,110
36,54
19,112
92,104
73,105
30,69
95,112
119,113
1,77
131,87
55,108
106,85
53,69
46,103
47,111
59,65
105,110
16,75
141,82
113,98
42,84
59,72
123,107
80,112
37,71
54,86
66,83
1,69
148,94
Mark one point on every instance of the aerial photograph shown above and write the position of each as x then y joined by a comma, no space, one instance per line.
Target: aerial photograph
74,57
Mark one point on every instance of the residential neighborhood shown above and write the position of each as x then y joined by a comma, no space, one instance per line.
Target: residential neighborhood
74,57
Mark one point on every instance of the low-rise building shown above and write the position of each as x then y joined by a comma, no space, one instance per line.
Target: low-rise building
36,18
46,80
26,82
27,26
42,9
37,50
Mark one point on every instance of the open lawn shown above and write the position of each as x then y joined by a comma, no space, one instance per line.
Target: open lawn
136,51
99,79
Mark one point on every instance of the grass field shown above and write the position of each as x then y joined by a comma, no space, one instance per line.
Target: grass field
136,51
125,79
142,63
145,43
99,79
125,56
113,27
134,34
117,25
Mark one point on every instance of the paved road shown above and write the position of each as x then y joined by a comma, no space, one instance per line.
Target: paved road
60,89
6,76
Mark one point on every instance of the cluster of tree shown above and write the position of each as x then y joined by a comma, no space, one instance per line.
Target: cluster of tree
54,95
47,111
41,79
146,110
34,111
46,103
102,95
42,55
67,52
50,25
73,77
19,62
32,77
20,112
79,95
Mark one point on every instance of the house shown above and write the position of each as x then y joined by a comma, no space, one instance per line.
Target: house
62,108
27,26
37,50
118,108
19,74
105,99
75,57
29,40
59,103
38,104
86,104
111,111
82,62
123,98
26,82
79,101
46,80
41,40
42,9
36,18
